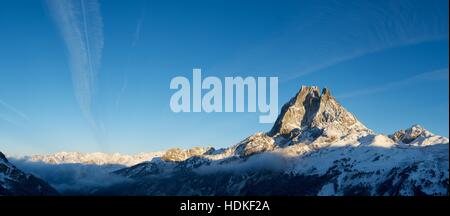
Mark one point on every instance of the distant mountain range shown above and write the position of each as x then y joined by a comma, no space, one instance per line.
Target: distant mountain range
96,158
316,147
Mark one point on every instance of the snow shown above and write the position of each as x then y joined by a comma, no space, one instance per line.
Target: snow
378,141
327,190
331,140
428,140
96,158
372,163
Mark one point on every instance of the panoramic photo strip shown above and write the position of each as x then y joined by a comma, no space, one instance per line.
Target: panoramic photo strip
209,107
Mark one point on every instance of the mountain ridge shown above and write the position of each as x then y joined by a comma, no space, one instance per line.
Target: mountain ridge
316,147
96,158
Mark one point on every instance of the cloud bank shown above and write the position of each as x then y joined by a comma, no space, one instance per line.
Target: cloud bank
72,178
260,162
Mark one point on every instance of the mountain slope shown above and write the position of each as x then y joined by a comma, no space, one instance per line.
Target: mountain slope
316,147
15,182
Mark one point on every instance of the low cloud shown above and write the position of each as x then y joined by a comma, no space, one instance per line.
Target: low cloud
259,162
72,178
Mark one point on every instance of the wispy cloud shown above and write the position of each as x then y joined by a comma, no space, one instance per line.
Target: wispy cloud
11,114
441,74
385,25
136,36
137,32
121,92
9,119
14,110
81,26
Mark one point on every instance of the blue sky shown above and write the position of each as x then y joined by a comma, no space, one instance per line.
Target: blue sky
94,75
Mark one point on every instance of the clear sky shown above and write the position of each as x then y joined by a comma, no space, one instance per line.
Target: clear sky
94,75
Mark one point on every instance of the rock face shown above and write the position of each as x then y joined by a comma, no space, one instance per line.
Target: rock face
15,182
257,143
309,117
177,154
316,147
311,110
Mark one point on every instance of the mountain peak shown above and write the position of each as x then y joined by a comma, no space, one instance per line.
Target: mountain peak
417,135
408,135
310,109
326,91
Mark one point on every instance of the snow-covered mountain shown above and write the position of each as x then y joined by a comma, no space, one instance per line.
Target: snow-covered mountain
96,158
15,182
316,147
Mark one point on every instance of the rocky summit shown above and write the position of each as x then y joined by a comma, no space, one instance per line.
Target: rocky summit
309,117
312,110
